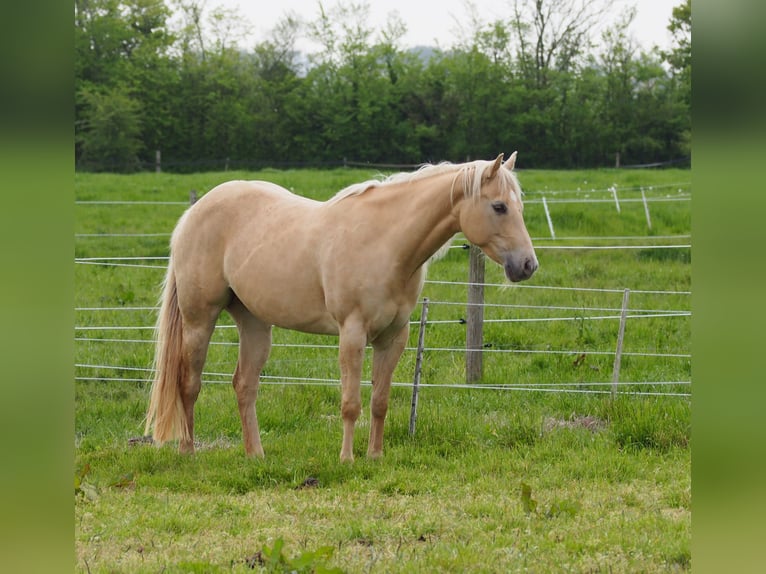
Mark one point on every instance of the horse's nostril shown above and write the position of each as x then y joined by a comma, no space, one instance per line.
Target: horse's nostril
530,265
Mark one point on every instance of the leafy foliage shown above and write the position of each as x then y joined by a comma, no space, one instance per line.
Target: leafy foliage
274,560
194,95
82,487
111,124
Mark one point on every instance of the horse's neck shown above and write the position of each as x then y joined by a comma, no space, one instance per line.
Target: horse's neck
426,216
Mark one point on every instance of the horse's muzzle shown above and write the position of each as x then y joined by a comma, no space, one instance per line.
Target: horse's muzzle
520,270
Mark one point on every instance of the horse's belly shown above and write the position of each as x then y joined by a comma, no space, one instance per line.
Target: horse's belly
320,324
290,303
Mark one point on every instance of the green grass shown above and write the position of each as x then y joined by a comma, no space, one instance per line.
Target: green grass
608,482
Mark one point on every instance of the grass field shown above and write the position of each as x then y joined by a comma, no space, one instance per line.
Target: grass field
493,480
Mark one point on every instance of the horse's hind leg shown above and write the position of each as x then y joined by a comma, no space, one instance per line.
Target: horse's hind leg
254,347
196,338
385,357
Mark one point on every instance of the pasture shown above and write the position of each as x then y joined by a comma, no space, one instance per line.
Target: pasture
536,467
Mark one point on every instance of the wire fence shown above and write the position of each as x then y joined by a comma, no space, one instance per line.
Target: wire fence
84,335
99,333
529,387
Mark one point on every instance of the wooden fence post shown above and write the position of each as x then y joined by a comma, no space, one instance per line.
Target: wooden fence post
157,161
474,339
192,197
620,337
418,366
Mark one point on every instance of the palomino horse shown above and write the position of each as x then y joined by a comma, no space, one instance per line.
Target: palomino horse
351,266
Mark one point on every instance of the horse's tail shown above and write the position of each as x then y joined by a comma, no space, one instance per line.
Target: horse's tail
166,412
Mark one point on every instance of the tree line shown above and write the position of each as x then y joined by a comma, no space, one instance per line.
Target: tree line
171,76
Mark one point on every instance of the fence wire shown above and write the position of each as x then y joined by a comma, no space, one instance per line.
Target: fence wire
683,194
573,387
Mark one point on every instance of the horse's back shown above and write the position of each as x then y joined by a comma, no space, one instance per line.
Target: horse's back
229,208
249,197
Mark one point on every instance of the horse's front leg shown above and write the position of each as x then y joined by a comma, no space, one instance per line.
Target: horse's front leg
353,340
384,360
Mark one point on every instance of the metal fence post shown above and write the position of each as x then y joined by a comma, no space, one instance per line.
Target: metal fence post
474,339
418,366
620,337
646,209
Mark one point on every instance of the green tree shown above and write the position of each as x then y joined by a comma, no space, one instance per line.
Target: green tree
213,95
531,82
554,34
274,72
351,99
617,60
680,56
110,130
680,60
123,71
471,116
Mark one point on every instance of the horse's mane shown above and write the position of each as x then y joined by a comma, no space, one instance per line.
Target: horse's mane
472,172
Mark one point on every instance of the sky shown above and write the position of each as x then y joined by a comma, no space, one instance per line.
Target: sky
434,21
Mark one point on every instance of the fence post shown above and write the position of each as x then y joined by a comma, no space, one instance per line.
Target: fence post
620,336
646,209
548,217
192,197
418,366
157,161
474,339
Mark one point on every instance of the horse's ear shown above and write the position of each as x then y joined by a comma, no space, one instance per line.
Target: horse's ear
511,161
496,166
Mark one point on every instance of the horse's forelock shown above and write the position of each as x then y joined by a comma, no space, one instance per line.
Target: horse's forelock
473,176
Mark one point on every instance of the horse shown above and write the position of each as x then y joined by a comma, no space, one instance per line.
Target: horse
352,266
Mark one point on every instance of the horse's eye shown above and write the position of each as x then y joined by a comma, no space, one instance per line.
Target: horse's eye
500,207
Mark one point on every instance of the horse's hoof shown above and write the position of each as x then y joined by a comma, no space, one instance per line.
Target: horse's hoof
346,458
